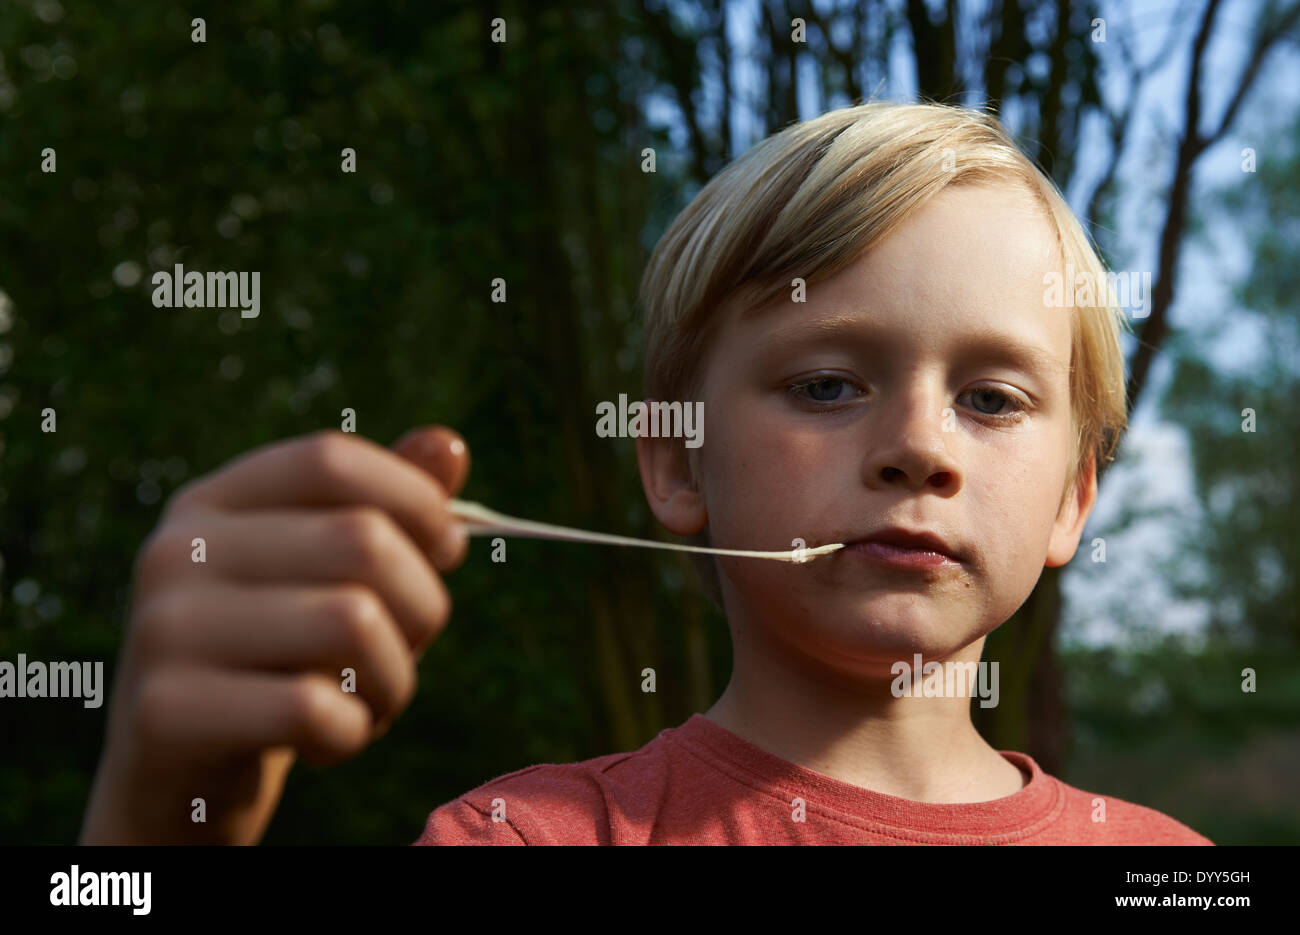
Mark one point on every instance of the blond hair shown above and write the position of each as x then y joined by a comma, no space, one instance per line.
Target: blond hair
807,201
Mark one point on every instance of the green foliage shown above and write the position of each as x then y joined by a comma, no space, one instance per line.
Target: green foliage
1248,544
1174,730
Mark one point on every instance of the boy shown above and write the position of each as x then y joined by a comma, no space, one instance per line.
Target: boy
860,303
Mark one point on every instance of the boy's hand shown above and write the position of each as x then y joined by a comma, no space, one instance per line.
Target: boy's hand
322,553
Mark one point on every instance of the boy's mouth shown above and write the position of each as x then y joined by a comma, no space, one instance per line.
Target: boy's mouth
896,547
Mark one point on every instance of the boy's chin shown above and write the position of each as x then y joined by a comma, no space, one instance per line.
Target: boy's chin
888,628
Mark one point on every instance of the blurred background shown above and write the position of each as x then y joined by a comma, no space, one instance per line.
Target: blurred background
1172,127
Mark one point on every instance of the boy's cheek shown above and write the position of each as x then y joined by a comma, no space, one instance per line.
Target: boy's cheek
753,505
764,490
1014,557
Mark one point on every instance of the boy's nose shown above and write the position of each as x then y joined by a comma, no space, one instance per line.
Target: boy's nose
909,448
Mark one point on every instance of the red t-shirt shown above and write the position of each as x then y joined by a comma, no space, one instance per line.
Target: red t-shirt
701,784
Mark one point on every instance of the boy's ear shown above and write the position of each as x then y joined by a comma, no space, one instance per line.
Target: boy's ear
670,486
1073,515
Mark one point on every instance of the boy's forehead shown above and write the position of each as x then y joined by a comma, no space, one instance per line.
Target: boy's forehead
989,238
970,260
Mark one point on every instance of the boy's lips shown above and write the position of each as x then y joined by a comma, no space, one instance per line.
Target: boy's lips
905,548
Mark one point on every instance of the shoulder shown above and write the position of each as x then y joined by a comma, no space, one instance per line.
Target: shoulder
550,803
1093,818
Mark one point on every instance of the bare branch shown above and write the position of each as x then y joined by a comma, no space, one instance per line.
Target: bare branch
680,56
1264,41
844,57
1193,144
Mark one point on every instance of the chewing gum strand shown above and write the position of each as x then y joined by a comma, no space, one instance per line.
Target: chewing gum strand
480,521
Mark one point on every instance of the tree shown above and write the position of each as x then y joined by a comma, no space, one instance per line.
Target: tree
1243,423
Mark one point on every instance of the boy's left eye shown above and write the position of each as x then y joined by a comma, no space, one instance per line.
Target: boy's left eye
994,400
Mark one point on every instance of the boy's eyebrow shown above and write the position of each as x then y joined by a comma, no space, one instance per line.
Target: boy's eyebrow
988,344
1004,348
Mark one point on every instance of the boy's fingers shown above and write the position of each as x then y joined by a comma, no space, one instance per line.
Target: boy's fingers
278,629
268,547
331,468
204,714
440,451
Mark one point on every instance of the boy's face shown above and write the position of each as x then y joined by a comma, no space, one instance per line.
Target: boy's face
932,394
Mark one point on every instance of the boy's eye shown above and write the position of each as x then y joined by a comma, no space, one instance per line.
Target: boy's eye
825,389
990,401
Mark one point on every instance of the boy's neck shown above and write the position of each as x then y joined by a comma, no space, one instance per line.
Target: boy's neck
916,748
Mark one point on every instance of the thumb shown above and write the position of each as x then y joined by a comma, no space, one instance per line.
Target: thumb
438,450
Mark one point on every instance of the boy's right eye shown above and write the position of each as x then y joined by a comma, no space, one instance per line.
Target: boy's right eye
823,389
